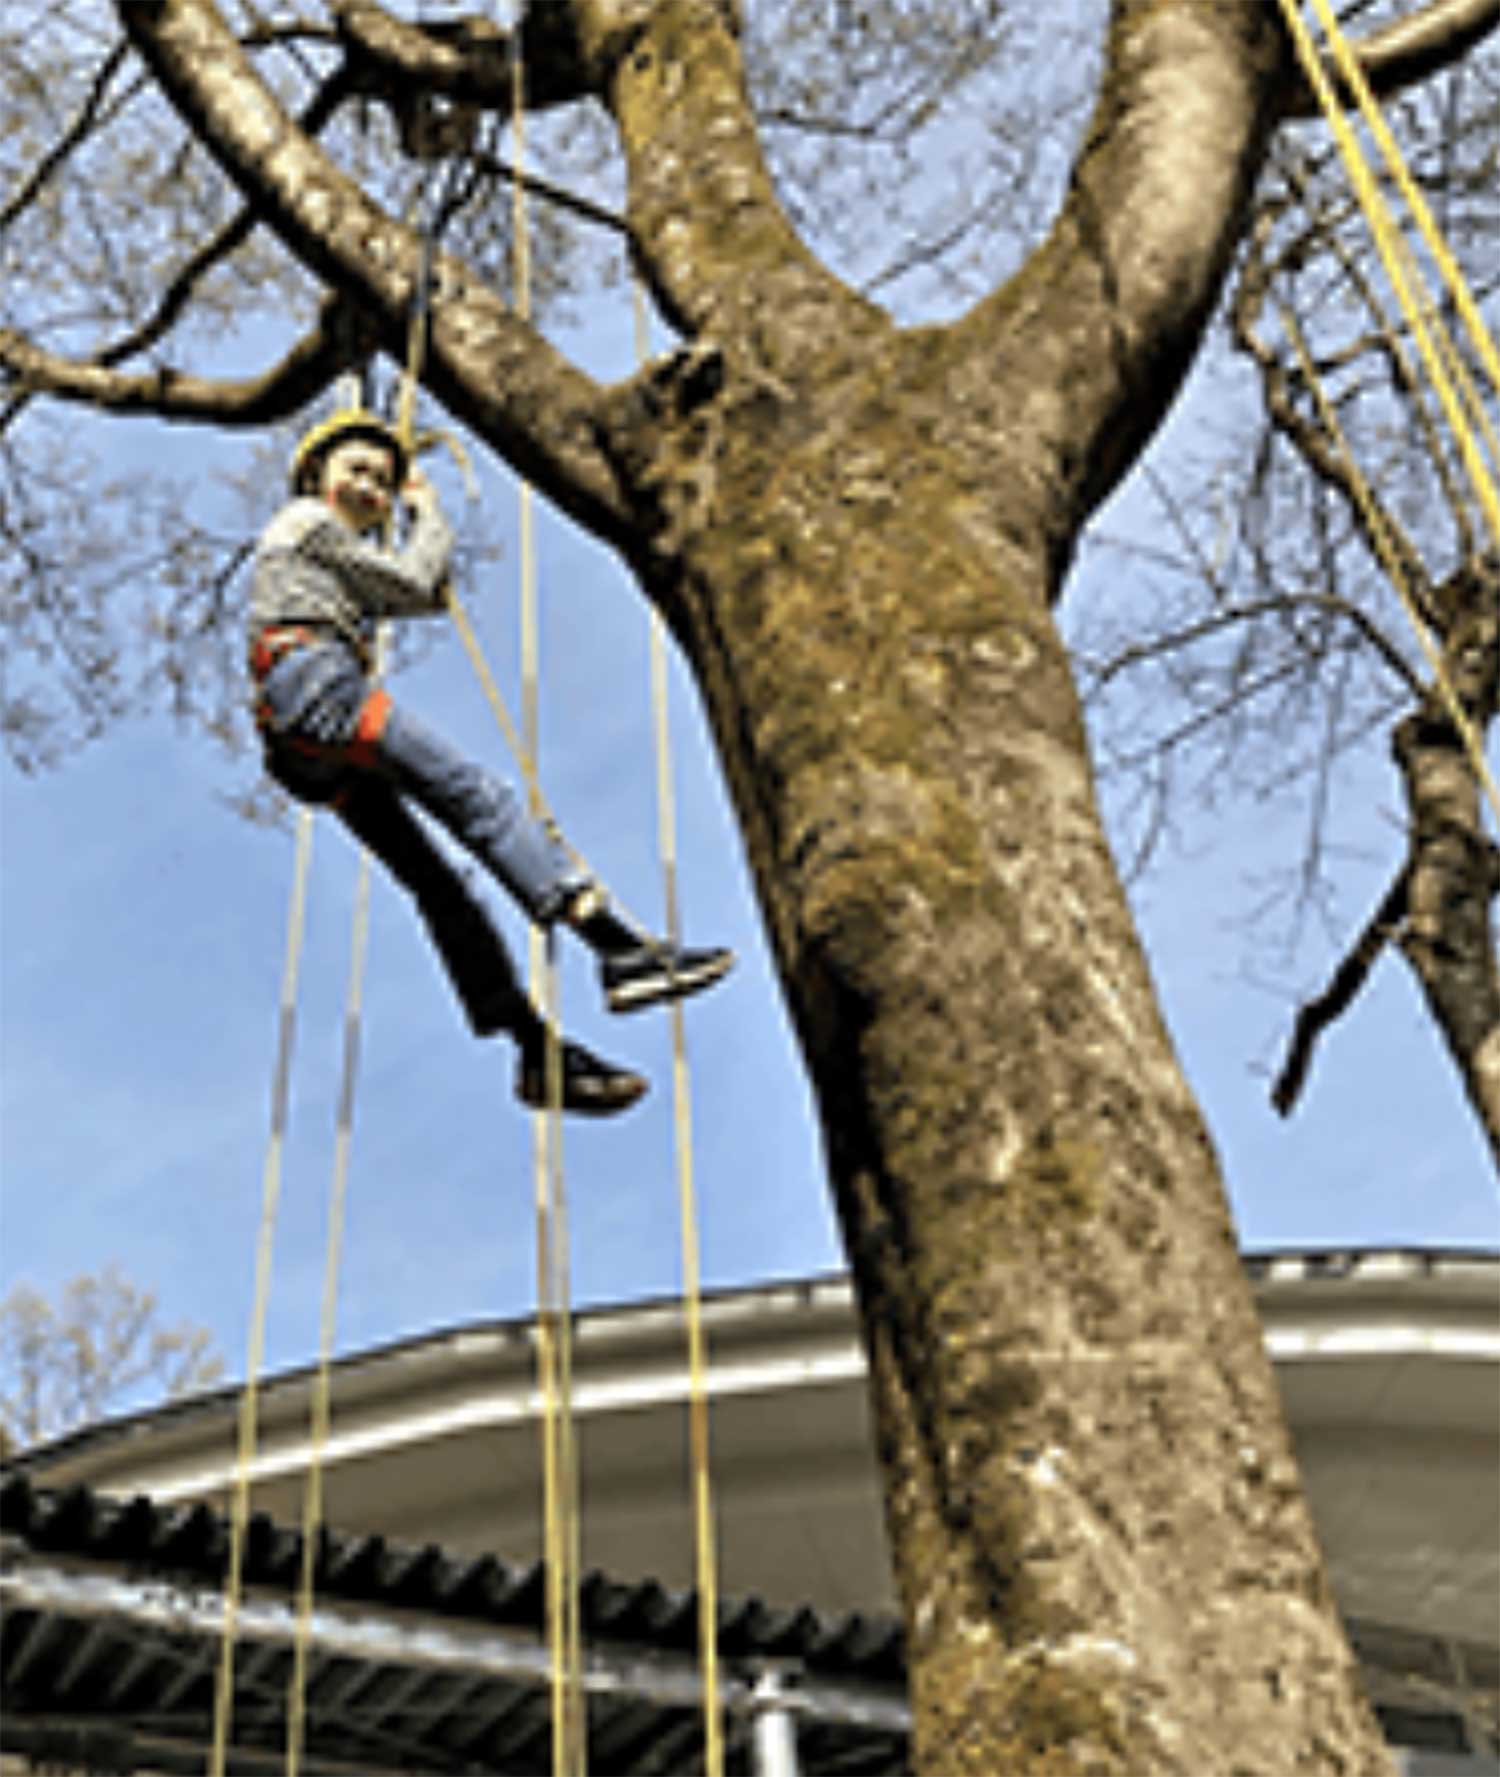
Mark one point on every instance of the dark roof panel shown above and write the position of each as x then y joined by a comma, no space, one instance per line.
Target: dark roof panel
191,1542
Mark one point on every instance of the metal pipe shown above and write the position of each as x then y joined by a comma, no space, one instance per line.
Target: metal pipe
774,1719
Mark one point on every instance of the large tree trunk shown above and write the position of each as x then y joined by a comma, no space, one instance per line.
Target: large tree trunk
1104,1557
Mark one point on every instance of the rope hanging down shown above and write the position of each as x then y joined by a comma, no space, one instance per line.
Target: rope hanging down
322,1402
1406,281
270,1196
562,1551
704,1541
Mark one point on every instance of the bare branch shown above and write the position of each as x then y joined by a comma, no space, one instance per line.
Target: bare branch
582,207
1411,50
1350,976
76,131
175,298
1318,449
1389,342
312,364
1277,604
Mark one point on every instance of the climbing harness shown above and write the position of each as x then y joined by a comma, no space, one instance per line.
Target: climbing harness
1442,361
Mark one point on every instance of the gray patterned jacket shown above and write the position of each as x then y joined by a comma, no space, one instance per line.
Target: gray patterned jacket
311,568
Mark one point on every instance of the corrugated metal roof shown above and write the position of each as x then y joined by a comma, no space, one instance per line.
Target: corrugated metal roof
419,1661
427,1661
193,1542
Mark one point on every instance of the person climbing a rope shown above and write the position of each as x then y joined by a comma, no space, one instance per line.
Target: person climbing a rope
320,583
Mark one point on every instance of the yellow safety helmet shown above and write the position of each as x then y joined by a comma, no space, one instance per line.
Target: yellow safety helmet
347,423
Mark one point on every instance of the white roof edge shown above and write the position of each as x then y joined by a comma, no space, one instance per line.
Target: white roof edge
820,1306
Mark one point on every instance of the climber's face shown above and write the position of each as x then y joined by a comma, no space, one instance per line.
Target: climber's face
358,482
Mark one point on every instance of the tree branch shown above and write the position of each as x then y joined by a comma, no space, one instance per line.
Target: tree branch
490,368
1275,604
582,207
174,299
710,234
76,131
304,373
1318,449
1350,976
1074,362
1388,340
470,60
1404,53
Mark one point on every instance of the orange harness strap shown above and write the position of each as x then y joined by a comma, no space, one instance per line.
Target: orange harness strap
374,713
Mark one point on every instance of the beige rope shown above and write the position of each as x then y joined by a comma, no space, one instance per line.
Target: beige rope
270,1197
322,1400
704,1539
554,1306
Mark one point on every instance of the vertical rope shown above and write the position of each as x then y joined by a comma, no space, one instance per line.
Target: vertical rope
705,1554
322,1401
554,1307
270,1197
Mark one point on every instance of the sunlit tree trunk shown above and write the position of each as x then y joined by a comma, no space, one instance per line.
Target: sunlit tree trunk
1103,1553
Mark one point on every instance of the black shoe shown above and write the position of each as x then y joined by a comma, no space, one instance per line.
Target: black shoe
590,1086
655,973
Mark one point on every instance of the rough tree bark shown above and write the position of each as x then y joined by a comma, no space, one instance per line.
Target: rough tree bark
857,534
1453,867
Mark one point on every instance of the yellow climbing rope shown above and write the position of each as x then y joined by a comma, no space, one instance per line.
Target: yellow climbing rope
1406,281
561,1533
223,1710
322,1400
270,1196
704,1540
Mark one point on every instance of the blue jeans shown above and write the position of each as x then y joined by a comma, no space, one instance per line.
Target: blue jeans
330,739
